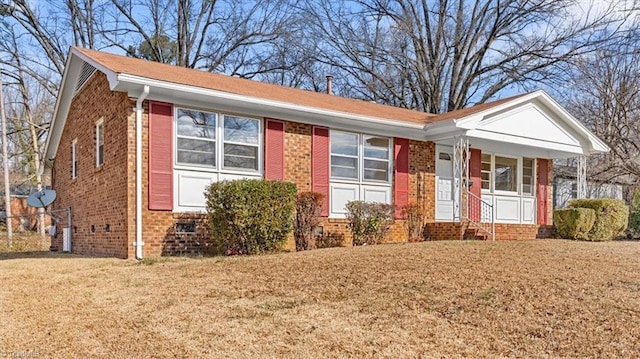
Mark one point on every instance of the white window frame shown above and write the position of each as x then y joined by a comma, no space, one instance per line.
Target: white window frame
258,145
533,178
359,186
177,136
220,141
360,161
519,183
74,158
99,143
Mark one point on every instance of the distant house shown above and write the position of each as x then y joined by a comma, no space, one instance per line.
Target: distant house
133,144
565,187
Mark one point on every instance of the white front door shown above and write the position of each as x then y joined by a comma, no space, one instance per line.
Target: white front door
444,183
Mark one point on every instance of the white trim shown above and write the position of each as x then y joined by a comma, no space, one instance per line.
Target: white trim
227,96
99,125
470,126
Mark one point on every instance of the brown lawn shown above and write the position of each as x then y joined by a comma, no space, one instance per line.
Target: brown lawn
444,299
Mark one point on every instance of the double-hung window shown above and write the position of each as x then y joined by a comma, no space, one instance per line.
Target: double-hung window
241,143
528,176
196,138
360,169
209,140
344,155
361,158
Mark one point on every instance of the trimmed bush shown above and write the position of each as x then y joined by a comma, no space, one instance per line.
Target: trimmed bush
308,209
634,214
612,217
574,223
250,216
369,222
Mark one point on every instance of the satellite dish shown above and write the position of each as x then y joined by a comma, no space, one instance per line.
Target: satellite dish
42,198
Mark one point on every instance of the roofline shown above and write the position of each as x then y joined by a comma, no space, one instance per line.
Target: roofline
123,81
132,79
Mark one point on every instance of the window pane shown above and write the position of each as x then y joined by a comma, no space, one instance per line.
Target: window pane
376,147
506,174
243,130
527,176
198,152
196,124
197,158
238,156
527,162
344,167
376,170
344,143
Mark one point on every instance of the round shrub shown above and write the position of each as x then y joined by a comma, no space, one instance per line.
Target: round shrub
612,217
250,216
574,223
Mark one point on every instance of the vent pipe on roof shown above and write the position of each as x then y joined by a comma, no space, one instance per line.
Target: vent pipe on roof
330,84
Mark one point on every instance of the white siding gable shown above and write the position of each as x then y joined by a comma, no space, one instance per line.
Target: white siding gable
530,122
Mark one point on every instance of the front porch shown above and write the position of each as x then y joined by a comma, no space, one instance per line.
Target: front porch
494,168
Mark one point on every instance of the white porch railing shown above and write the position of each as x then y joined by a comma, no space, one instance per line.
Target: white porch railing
479,215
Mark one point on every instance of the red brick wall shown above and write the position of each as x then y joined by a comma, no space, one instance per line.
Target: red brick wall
99,196
106,196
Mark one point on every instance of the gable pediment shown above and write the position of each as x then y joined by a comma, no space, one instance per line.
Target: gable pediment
530,122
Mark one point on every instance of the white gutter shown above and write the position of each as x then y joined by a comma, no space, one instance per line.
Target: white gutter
228,96
139,243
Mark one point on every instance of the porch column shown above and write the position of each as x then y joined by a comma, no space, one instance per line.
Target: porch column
460,175
581,178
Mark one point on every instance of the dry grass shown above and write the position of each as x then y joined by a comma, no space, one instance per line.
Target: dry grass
422,300
23,241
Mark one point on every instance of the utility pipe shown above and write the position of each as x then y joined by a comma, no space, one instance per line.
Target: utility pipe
5,162
139,243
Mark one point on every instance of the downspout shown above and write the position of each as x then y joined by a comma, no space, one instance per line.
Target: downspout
139,243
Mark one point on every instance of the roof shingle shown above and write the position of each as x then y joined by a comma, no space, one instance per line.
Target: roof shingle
190,77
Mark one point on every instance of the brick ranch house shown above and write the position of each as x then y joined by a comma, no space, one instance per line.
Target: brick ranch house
133,144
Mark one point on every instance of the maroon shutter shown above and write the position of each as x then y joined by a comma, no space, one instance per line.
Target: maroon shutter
542,191
274,150
475,175
401,175
320,165
160,158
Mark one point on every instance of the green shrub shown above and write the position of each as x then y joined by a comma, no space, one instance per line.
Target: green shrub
308,209
612,217
369,222
250,216
574,223
634,214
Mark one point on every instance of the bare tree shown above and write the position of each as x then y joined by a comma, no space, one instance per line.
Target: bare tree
604,92
442,55
232,37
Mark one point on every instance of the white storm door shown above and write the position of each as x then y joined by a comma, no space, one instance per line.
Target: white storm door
444,183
